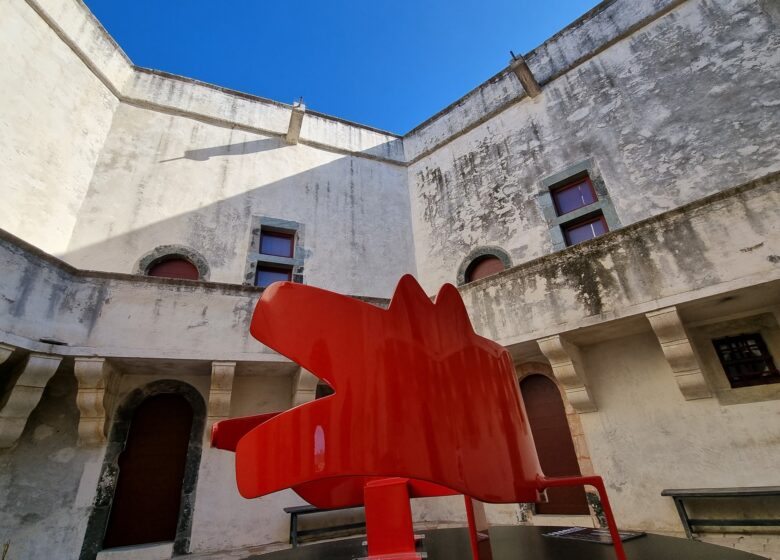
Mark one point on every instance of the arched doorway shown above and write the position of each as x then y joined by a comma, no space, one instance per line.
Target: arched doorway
98,535
554,445
147,498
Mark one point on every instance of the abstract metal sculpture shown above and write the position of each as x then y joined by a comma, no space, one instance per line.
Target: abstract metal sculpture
423,406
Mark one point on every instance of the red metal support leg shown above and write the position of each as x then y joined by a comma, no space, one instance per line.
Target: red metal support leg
598,484
478,532
389,520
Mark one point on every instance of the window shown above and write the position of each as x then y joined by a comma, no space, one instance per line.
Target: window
173,267
276,243
173,261
485,266
267,275
481,262
574,196
576,205
275,253
746,360
571,197
580,231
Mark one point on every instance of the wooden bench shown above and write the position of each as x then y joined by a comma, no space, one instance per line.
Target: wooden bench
297,511
680,495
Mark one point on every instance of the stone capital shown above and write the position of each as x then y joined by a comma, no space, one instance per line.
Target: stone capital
566,364
32,376
679,353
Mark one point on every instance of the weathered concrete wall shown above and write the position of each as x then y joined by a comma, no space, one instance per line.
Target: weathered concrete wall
223,519
728,241
645,437
175,94
45,485
54,116
681,108
165,179
121,315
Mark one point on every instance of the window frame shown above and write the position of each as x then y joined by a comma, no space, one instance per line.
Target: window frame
262,267
477,262
577,180
475,256
568,177
169,259
271,232
751,379
568,226
256,259
764,321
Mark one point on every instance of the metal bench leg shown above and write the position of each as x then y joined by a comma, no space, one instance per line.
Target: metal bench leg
294,530
683,517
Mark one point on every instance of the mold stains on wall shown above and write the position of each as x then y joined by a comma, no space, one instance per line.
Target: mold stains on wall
666,126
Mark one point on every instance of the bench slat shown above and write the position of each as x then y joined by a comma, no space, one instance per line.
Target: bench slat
735,522
722,492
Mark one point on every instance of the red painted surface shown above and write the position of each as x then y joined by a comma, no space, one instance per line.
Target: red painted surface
418,396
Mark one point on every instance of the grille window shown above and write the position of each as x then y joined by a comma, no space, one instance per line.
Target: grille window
746,360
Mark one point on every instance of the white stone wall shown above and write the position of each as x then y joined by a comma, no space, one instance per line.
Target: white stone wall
166,179
54,116
683,107
645,437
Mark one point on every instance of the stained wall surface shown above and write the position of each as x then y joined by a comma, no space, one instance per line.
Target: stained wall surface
664,441
663,126
673,103
164,179
54,116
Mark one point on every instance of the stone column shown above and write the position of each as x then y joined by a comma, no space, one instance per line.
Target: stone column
568,370
678,350
25,394
96,379
220,393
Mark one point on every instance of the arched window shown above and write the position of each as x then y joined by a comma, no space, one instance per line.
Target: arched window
173,261
173,267
482,267
481,262
554,445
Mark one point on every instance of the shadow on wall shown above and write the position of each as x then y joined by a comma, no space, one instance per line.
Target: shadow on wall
238,149
355,211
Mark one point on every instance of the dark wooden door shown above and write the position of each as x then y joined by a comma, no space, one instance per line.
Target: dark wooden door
146,501
547,417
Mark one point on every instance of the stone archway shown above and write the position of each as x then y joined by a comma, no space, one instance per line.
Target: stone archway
107,485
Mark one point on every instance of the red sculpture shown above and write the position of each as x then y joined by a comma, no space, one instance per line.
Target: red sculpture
423,406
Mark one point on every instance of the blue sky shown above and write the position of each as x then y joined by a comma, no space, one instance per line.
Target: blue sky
387,64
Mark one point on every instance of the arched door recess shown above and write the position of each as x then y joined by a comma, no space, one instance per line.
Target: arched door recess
554,445
147,498
98,535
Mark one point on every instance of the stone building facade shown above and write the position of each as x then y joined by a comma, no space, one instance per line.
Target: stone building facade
650,127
